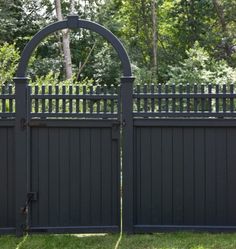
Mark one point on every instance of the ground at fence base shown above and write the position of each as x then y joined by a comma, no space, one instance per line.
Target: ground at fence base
107,241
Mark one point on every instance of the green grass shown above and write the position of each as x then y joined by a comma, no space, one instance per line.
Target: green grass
108,241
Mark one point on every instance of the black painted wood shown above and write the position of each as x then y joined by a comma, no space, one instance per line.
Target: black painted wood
7,178
76,175
184,176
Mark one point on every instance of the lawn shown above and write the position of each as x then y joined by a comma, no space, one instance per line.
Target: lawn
108,241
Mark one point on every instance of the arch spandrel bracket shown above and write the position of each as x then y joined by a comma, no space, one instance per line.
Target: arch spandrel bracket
73,22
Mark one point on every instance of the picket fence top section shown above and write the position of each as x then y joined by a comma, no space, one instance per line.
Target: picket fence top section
103,102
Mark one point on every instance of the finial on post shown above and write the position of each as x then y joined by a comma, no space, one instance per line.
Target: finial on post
72,21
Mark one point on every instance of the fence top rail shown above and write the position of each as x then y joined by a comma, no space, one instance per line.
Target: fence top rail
184,88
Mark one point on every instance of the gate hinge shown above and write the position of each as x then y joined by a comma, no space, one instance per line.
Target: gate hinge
31,196
115,131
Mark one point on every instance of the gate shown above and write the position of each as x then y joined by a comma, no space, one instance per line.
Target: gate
60,153
68,148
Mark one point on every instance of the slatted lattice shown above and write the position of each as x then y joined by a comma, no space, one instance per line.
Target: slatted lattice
7,101
163,100
74,101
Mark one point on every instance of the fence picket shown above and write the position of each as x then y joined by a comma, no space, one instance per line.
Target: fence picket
159,99
202,99
209,99
50,100
217,98
152,99
231,98
112,100
138,100
181,98
173,99
167,99
195,100
224,98
105,100
10,100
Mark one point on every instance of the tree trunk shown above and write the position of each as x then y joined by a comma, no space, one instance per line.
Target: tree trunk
220,13
154,37
72,6
65,42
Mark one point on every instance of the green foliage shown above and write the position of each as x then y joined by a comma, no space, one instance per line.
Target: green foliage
9,57
106,66
20,20
142,75
180,24
53,79
199,67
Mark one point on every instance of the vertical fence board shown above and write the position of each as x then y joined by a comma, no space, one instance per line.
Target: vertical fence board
106,176
64,176
231,175
210,176
75,176
137,174
199,173
96,172
11,177
85,144
3,178
43,176
34,175
146,183
188,176
221,176
54,177
115,183
178,180
167,172
156,175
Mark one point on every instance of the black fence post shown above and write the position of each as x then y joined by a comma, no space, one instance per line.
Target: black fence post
127,151
20,151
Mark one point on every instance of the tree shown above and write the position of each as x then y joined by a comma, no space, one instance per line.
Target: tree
65,41
199,68
154,35
9,57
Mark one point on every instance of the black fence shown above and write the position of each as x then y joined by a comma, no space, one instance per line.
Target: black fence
61,148
183,174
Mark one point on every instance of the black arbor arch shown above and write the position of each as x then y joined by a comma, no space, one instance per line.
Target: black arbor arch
22,119
73,22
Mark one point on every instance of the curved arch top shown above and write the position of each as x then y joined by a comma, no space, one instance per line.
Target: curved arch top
73,22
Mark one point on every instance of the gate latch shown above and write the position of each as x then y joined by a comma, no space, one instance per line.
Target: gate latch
23,123
31,196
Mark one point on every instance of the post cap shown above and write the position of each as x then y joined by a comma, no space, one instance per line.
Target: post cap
127,79
21,80
72,21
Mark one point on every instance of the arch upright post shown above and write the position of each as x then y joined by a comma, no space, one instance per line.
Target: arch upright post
127,151
20,152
